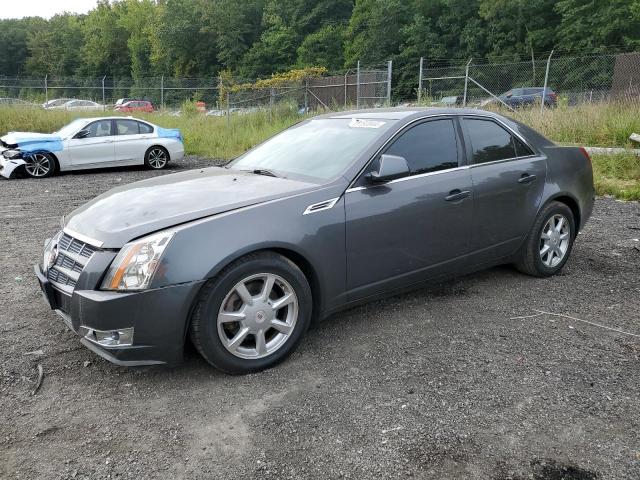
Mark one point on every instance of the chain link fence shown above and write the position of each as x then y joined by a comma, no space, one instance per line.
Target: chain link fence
360,87
574,79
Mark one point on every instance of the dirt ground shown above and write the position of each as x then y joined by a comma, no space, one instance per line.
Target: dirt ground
443,382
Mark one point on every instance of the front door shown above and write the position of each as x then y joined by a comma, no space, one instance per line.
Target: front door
96,148
508,182
412,228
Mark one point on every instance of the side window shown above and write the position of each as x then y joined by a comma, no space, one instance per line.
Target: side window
127,127
428,147
144,128
101,128
489,141
521,149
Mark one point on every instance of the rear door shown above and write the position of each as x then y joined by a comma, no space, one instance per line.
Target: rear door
131,145
508,180
407,229
94,149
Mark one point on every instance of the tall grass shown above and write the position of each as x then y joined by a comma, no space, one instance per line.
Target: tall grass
595,125
205,136
606,125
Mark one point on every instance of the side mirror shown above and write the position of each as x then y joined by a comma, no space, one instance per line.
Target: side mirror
391,168
82,134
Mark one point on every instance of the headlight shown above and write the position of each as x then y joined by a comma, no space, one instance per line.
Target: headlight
11,154
50,251
137,262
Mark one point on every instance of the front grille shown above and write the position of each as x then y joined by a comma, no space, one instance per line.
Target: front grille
73,255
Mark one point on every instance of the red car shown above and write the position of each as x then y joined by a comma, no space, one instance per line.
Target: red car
135,106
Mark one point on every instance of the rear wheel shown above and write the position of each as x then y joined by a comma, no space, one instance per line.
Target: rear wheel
550,241
40,165
156,158
253,314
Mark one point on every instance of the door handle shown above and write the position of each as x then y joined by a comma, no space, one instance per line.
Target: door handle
527,178
457,194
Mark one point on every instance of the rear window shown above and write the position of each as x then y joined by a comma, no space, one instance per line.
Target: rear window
145,128
127,127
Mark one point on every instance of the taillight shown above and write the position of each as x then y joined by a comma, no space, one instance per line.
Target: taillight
586,154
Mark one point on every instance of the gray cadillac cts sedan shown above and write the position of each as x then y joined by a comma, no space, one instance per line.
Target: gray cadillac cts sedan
334,211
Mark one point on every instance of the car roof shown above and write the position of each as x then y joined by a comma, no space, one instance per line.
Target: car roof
401,113
93,119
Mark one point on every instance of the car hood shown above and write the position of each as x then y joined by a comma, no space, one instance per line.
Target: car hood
130,211
18,138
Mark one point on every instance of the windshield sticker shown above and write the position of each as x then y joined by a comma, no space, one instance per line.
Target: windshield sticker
361,123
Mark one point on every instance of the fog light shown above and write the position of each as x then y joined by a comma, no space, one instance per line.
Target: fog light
108,338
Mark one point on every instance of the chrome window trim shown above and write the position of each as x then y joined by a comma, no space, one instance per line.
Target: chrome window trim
83,238
321,206
410,177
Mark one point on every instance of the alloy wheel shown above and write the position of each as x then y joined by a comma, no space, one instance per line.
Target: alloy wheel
257,316
38,165
554,240
157,158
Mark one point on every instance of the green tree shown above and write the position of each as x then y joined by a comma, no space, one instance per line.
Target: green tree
323,48
57,48
374,35
588,25
105,49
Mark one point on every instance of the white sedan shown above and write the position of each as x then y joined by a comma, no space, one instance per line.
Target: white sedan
78,105
90,143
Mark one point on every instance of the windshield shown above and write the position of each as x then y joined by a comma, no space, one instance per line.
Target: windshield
321,148
71,128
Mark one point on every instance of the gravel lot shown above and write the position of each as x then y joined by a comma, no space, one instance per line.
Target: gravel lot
439,383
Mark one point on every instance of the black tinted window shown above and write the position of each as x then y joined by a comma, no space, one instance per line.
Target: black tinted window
144,128
489,141
521,149
127,127
428,147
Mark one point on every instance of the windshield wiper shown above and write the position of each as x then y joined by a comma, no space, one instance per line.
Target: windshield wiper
263,171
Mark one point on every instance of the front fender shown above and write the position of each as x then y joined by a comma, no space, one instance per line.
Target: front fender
201,249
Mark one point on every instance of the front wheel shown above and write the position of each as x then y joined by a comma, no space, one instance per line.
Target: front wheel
156,158
253,314
40,165
550,241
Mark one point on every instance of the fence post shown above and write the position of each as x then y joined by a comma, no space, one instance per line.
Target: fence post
420,80
345,88
306,96
389,70
546,80
104,102
46,89
162,92
466,83
228,112
272,95
358,86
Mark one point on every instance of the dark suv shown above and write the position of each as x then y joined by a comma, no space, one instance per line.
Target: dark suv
519,97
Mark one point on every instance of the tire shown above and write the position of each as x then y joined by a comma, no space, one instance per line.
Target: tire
156,158
221,317
40,165
532,260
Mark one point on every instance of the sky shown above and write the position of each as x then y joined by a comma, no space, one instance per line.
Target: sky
43,8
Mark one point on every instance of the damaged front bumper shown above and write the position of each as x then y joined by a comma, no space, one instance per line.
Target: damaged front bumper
8,167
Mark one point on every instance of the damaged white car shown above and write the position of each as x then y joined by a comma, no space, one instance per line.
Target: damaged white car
90,143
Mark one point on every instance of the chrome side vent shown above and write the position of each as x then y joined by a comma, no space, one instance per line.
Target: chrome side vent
320,206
